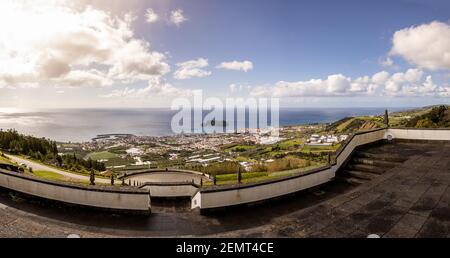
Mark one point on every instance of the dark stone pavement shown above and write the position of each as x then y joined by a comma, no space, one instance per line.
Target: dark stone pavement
410,200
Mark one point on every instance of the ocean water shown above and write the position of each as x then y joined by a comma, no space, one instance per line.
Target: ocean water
79,125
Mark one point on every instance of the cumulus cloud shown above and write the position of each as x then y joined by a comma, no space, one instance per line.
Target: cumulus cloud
82,78
177,17
409,83
48,42
191,69
156,87
426,45
151,16
136,62
236,65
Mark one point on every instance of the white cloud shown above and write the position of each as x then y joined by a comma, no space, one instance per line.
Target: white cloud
177,17
136,62
156,87
426,45
381,77
409,83
191,69
236,65
82,78
151,16
388,62
48,42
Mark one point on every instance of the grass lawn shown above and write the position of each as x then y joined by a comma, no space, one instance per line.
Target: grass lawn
344,125
101,155
49,175
59,168
285,145
251,177
240,148
247,177
57,177
4,160
318,149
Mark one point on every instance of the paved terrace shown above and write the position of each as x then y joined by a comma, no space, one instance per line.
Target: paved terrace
409,200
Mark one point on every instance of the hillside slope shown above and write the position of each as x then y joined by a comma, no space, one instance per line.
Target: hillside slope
355,124
436,117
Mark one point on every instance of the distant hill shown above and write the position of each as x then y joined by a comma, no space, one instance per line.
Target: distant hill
429,117
355,124
423,117
414,111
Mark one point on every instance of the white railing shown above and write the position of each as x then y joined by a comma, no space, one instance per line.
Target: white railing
419,134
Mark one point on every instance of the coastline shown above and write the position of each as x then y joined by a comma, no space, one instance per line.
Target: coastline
82,125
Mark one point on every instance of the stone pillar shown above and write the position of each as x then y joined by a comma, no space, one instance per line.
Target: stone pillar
123,179
386,118
239,176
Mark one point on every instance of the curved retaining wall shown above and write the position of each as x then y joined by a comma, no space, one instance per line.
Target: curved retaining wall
129,173
126,199
171,189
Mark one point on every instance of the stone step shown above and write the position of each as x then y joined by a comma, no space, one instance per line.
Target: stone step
359,174
380,156
376,162
388,156
365,168
352,180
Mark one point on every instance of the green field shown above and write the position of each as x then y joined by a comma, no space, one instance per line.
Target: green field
240,148
285,145
4,160
251,177
101,155
57,177
344,125
318,149
49,175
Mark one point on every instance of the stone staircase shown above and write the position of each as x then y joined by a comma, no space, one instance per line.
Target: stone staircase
368,163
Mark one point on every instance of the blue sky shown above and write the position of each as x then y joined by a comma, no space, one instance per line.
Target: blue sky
294,47
291,41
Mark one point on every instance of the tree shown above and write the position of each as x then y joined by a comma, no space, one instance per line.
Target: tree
424,123
92,178
59,160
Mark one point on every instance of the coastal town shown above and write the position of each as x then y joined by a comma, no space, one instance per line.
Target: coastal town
245,147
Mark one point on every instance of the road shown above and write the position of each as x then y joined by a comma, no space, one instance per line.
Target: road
40,167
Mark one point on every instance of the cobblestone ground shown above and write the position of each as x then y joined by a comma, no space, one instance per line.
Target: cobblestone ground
410,200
